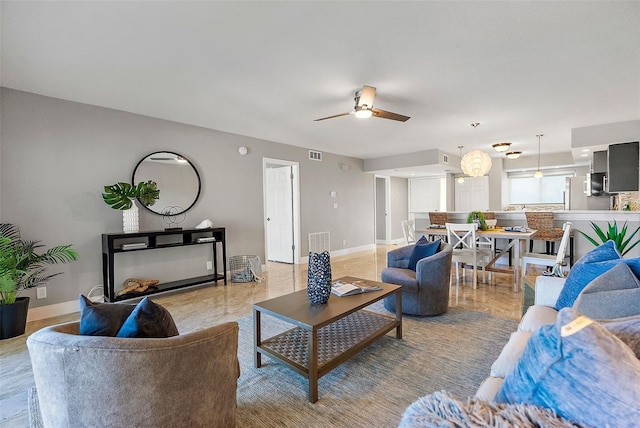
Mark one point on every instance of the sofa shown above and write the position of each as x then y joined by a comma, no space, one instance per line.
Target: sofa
573,361
91,381
425,287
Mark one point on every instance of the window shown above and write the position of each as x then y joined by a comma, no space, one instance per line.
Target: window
525,189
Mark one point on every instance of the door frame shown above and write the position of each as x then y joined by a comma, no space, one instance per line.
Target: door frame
387,208
295,202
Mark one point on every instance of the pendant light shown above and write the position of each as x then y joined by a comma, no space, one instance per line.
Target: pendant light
461,178
538,173
476,163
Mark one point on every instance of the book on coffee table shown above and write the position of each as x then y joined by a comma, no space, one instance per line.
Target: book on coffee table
340,288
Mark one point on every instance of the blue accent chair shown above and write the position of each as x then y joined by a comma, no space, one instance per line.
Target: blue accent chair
425,292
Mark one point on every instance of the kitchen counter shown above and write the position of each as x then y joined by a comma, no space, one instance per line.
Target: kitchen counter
580,220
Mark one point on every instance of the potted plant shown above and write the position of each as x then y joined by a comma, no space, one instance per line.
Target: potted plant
617,236
120,196
22,266
477,217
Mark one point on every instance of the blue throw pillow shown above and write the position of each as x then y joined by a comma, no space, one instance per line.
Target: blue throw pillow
587,268
102,319
148,319
422,249
580,370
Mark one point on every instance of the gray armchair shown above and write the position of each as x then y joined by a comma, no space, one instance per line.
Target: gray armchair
425,291
93,381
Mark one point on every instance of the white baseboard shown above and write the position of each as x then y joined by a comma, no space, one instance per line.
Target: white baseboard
343,252
42,312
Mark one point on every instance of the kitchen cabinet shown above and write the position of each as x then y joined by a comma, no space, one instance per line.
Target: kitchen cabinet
600,161
622,167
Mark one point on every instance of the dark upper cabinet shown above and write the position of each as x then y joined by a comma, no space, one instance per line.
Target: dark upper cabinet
622,167
600,161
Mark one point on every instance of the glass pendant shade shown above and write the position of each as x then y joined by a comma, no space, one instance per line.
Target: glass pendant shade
476,163
537,174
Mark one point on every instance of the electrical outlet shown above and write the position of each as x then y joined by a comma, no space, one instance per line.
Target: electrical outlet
209,265
41,292
344,242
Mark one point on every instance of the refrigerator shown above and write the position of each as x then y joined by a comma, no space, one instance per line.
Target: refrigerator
576,198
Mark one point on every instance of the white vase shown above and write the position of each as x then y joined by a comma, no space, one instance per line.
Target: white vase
130,221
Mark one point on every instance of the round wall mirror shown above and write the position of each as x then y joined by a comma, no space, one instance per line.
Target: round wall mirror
177,179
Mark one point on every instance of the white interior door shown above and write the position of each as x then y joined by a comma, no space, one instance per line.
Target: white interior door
279,211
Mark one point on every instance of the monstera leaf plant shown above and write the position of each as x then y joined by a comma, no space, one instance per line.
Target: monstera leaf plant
612,233
120,196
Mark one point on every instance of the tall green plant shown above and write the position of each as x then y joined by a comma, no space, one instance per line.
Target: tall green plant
22,266
613,234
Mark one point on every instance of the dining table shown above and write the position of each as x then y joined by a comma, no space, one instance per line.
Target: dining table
517,241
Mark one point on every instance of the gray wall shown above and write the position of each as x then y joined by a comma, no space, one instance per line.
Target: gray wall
57,155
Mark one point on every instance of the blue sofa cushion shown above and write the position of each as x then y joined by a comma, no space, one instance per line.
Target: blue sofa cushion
148,319
422,249
586,269
102,319
580,370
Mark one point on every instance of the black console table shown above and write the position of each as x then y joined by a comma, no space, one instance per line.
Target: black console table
113,243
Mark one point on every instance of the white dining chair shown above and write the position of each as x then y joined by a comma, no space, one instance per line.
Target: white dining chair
463,239
409,231
556,262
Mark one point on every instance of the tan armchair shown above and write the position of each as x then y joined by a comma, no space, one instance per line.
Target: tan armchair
92,381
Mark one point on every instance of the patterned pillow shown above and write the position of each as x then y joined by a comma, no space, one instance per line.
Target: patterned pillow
580,370
587,268
422,249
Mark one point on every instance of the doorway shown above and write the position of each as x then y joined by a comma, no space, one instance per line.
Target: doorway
281,193
382,209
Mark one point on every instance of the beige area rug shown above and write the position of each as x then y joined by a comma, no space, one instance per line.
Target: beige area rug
451,352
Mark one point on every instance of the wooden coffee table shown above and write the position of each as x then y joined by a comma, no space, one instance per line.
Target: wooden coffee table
326,335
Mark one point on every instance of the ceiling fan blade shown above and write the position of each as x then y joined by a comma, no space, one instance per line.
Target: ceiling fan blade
331,117
367,94
389,115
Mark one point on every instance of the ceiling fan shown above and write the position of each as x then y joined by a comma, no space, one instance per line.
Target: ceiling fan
364,107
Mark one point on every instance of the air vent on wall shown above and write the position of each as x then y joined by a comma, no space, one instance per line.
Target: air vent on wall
445,159
314,155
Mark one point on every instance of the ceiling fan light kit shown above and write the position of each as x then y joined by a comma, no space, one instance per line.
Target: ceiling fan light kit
364,107
363,112
501,147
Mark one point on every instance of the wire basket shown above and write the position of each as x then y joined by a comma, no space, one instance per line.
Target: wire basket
245,268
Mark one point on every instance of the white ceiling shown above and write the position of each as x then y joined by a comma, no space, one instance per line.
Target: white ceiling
267,69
